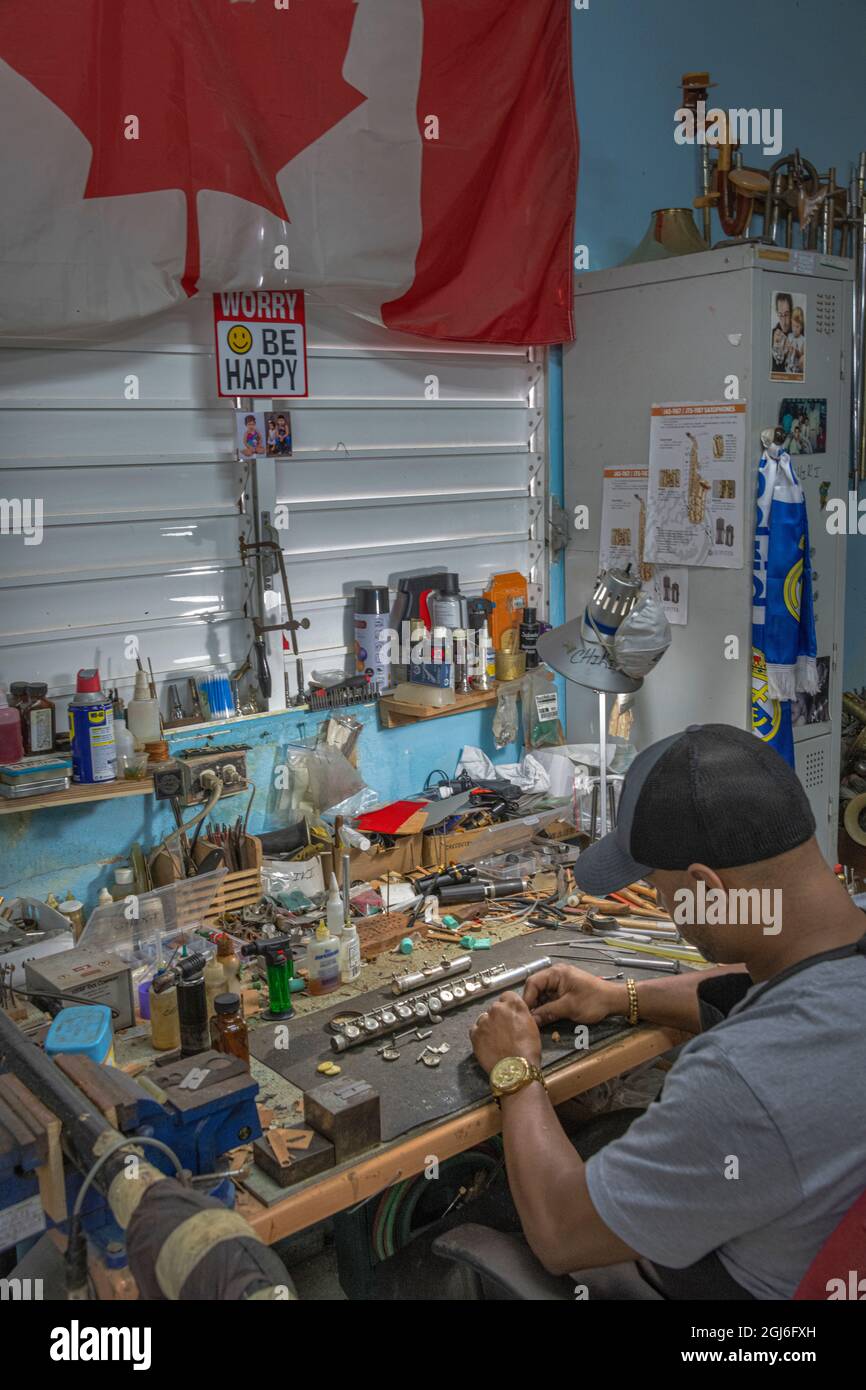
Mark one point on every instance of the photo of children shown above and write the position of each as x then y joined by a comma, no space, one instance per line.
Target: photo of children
279,433
804,420
787,336
250,432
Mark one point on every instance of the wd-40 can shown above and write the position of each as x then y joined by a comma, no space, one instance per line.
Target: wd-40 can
91,731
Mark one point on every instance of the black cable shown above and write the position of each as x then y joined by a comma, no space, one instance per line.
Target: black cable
76,998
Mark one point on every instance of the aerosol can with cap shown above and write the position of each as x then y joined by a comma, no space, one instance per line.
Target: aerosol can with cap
91,731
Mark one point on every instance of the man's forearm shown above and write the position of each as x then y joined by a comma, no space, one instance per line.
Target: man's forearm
672,1001
546,1177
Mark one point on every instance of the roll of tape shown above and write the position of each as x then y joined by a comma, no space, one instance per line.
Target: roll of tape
852,819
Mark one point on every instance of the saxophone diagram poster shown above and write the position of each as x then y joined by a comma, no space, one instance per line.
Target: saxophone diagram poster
695,503
622,543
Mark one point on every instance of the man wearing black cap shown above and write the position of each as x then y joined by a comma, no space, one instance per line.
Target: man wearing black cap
728,1186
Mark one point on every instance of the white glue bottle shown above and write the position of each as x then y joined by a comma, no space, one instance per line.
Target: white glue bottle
350,953
323,961
334,913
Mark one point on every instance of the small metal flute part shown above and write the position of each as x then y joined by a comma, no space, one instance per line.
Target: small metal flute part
402,984
431,1005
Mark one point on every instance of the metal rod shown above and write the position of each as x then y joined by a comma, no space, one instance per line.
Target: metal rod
602,761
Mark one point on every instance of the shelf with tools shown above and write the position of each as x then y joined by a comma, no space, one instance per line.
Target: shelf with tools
394,713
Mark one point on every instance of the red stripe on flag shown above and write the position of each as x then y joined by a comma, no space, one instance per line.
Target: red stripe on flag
499,185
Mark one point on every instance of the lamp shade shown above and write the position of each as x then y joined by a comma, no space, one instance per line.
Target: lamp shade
586,663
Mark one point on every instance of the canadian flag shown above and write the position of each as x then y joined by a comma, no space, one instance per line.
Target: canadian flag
416,159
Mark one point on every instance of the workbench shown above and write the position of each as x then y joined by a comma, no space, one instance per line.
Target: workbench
338,1188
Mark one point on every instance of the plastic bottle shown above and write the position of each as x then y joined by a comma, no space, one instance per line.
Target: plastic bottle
11,742
164,1019
228,1030
142,713
350,953
334,914
104,898
323,961
124,745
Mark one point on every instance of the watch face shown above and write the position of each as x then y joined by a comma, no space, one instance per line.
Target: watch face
509,1072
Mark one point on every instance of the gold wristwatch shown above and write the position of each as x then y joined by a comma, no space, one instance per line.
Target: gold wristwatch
511,1074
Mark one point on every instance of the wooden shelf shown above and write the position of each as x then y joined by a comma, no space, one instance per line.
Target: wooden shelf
394,714
77,794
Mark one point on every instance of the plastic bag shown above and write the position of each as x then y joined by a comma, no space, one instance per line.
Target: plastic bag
541,726
505,720
316,779
642,638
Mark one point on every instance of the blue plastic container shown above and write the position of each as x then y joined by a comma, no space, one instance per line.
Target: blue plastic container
84,1029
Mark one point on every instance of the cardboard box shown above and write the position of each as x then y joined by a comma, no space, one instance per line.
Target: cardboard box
460,847
97,976
372,863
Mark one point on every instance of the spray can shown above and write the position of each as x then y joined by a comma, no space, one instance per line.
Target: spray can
372,657
91,731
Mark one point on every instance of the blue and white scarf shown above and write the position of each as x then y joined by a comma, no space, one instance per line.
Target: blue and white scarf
784,647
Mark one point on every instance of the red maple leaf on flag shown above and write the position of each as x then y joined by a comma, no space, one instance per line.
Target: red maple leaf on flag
224,92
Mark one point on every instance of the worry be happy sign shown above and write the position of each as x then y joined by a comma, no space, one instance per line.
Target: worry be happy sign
261,343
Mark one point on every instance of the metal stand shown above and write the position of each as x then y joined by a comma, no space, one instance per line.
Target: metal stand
602,761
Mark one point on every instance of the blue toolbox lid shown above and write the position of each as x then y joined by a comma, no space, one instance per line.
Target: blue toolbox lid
82,1028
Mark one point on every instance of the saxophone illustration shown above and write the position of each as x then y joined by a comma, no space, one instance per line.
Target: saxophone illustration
645,571
698,487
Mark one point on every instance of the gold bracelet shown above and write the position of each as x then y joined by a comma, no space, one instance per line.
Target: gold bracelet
631,988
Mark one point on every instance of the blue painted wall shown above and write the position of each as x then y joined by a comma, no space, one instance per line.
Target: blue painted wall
802,56
74,849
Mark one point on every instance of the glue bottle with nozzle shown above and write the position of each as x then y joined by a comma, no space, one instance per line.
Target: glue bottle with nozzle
334,914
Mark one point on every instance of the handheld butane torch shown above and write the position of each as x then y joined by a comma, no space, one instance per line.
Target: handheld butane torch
277,954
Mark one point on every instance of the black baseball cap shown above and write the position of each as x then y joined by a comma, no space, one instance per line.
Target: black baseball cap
712,795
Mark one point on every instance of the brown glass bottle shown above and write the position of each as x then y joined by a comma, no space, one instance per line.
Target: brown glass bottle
228,1030
37,720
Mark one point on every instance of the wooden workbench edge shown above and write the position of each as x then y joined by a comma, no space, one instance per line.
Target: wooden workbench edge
324,1196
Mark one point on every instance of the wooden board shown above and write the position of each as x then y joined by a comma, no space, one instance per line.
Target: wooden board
76,794
393,714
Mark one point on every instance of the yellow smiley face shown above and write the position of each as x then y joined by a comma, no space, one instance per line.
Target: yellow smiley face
239,338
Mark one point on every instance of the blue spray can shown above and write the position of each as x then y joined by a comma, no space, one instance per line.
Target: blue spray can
91,731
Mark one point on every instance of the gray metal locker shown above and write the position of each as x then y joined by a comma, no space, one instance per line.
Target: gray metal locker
676,330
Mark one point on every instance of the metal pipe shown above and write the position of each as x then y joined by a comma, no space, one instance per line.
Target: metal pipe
433,1003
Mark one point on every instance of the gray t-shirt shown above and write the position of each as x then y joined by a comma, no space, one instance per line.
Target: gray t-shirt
757,1147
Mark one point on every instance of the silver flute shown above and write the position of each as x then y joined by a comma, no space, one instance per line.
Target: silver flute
429,1006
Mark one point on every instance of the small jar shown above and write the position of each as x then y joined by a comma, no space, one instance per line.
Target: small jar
37,720
228,1031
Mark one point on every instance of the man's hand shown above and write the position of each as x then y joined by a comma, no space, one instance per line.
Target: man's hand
563,991
506,1029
